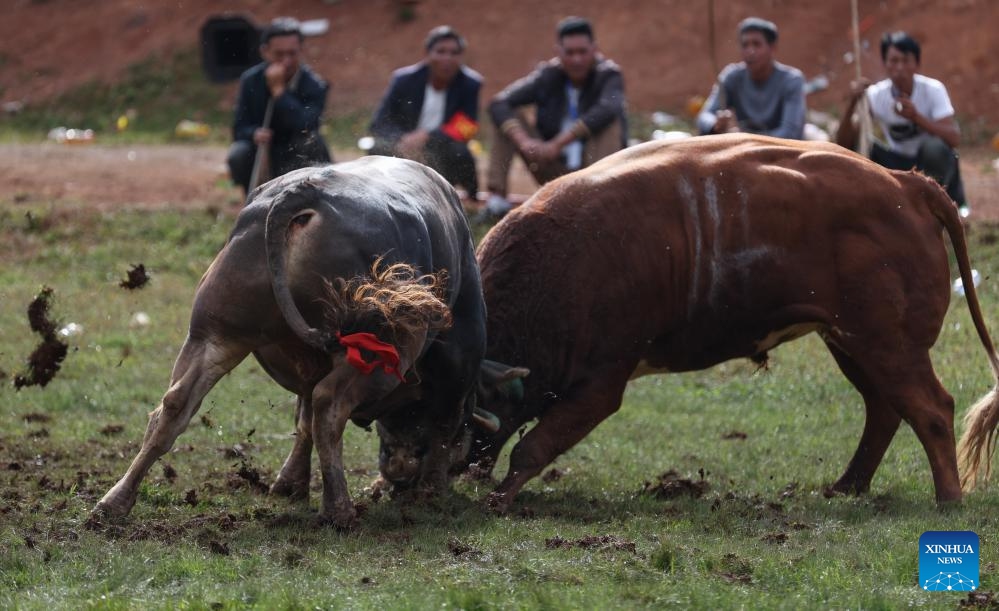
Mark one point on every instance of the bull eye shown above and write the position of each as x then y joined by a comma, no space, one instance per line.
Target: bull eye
302,219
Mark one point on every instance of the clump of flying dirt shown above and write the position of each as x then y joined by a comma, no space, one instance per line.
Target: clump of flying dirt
45,361
112,429
137,278
553,475
670,486
480,471
247,476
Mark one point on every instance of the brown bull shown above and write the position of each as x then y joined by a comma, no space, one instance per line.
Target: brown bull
676,257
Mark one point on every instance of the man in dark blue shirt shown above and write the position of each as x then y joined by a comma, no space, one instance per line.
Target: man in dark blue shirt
279,106
431,111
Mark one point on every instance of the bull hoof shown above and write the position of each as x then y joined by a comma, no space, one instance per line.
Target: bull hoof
948,505
108,512
842,488
344,521
295,491
424,494
498,503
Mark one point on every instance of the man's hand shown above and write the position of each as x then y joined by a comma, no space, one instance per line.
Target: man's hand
276,78
858,87
905,108
539,151
411,145
726,122
262,135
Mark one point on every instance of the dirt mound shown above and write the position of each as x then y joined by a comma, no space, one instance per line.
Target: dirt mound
50,46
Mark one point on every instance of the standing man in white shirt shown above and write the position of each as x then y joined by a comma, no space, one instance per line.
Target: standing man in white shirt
915,115
431,110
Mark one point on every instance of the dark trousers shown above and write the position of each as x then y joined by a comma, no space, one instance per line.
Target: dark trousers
308,149
609,141
935,159
450,158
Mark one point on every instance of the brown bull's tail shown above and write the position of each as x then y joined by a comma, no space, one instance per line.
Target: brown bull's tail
979,439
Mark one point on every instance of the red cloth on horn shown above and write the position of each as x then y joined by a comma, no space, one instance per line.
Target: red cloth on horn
385,354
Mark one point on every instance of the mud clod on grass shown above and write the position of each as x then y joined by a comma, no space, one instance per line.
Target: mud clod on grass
670,485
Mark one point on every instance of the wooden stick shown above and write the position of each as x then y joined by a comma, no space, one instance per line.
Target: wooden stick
263,156
714,55
865,137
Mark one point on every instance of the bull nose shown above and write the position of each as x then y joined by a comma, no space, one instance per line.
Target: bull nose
400,469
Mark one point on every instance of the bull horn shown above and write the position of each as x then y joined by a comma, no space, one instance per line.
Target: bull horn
486,419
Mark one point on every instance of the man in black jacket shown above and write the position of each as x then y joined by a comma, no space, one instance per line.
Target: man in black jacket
292,95
580,114
431,109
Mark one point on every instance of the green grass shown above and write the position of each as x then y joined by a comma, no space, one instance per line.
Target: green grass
763,535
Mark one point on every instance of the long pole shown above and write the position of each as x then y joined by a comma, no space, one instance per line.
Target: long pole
722,102
864,139
263,152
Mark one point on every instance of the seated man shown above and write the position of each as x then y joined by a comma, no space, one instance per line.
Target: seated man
758,95
580,109
915,115
431,110
278,106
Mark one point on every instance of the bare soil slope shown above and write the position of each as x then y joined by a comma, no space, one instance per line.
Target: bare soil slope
50,46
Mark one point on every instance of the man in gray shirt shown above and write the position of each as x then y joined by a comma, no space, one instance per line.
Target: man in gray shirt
758,95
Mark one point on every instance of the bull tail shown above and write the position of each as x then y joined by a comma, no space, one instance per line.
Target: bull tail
294,207
978,442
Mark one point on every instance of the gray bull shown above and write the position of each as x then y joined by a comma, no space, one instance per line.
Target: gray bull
355,262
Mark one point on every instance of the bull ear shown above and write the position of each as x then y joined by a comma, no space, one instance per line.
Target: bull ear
485,419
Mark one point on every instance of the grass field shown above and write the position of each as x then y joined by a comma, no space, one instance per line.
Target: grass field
203,535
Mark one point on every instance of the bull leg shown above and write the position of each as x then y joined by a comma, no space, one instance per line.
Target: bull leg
929,410
333,400
328,423
293,479
199,367
879,429
560,428
433,478
913,391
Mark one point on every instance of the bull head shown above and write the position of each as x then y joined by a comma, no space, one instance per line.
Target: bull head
403,434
